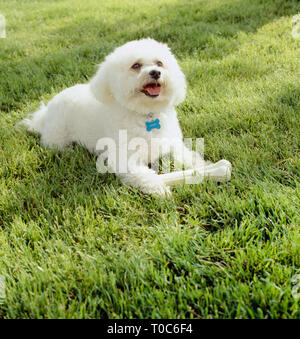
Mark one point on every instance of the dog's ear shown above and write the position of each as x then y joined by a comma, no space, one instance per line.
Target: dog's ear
180,87
99,84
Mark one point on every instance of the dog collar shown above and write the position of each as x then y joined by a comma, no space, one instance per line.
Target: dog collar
150,125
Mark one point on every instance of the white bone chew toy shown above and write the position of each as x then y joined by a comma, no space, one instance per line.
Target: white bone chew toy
220,171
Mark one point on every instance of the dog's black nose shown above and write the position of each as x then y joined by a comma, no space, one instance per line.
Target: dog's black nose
155,74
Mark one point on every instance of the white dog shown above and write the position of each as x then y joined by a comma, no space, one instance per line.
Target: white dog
135,89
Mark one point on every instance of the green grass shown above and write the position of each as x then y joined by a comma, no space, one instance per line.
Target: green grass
77,244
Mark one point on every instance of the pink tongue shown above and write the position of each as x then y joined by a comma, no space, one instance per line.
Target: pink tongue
153,90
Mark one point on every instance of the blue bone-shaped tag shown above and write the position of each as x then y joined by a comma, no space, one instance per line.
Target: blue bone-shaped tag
152,124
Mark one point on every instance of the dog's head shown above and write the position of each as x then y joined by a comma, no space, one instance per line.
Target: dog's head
142,76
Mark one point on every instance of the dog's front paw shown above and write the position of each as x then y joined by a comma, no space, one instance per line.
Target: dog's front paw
158,190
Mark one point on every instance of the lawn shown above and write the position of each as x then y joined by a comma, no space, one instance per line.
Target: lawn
78,244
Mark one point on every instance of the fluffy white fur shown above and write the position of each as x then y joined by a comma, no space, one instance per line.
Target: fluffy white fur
114,100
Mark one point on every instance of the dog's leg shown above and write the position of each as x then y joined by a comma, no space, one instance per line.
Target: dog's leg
147,180
139,176
193,162
184,157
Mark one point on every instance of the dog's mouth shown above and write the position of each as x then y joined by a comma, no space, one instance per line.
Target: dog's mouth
152,89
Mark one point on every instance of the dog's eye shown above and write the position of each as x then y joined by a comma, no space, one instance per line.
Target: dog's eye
136,66
159,64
